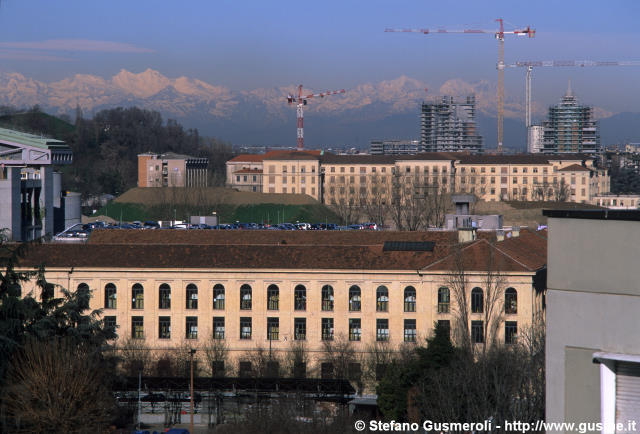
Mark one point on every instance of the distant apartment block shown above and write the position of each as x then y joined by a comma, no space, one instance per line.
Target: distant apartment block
535,139
395,147
570,128
171,170
358,179
450,126
31,200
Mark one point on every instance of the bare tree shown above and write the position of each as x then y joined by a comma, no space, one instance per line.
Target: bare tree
135,357
297,359
216,353
342,355
57,386
374,204
378,357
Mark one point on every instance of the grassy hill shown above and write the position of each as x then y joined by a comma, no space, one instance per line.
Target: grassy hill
37,123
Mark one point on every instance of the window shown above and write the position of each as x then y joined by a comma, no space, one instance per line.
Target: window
327,298
300,329
477,302
326,370
300,297
510,301
164,295
137,327
110,323
354,371
355,329
354,298
273,297
217,368
218,296
443,300
382,299
382,329
164,327
192,296
245,328
445,325
409,330
409,299
477,332
137,297
381,370
273,329
245,297
245,369
327,329
192,327
510,332
218,327
110,296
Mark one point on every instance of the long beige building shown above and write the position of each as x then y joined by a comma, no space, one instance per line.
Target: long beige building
356,178
261,289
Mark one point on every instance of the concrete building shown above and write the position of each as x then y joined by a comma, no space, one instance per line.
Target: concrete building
593,300
395,147
450,126
269,289
535,139
570,128
171,170
30,191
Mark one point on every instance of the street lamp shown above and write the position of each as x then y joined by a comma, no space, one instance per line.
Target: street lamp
191,354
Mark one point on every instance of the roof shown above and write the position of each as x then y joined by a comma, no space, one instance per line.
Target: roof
384,159
352,250
574,168
294,155
250,171
18,137
593,214
519,158
257,158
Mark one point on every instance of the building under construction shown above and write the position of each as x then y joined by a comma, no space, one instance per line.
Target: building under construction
570,128
450,126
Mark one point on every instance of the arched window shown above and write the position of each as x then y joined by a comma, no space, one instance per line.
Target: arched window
409,299
382,299
477,300
510,301
83,287
354,298
218,296
192,296
110,296
137,296
273,297
443,300
164,296
300,297
327,297
245,297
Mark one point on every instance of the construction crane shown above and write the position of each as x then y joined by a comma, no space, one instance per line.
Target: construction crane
302,101
499,35
558,63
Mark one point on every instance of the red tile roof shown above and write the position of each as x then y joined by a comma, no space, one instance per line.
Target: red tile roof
257,158
574,168
248,171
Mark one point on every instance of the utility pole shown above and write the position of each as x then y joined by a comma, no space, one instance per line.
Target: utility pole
191,353
139,405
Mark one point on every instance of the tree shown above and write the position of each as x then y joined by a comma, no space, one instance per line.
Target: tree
216,353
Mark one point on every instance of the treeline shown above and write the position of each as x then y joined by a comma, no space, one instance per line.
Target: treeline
105,148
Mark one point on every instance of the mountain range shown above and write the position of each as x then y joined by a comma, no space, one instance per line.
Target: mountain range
383,110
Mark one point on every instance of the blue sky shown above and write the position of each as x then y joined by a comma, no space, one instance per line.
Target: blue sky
327,44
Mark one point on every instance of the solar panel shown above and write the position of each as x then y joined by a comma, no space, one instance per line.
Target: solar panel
408,246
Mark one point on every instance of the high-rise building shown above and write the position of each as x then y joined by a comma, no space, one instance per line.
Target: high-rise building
570,128
535,139
450,126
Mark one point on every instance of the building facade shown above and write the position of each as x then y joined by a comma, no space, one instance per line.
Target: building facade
171,170
255,290
570,128
30,191
395,147
592,347
450,126
535,139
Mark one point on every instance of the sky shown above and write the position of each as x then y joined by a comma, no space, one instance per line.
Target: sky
328,44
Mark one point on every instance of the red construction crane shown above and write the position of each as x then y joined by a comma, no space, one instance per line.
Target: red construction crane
302,101
558,63
499,35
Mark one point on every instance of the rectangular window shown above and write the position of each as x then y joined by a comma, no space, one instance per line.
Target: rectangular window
446,325
382,329
137,327
355,329
327,329
510,332
409,330
218,327
273,329
191,327
326,370
110,323
300,329
245,328
164,327
477,332
245,369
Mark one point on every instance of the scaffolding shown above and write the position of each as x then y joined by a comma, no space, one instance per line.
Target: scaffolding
450,126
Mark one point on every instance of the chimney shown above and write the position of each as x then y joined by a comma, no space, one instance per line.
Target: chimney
515,231
500,235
